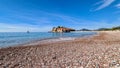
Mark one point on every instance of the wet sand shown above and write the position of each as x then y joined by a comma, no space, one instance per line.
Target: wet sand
99,51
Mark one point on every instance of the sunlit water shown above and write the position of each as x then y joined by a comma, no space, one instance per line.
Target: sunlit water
17,38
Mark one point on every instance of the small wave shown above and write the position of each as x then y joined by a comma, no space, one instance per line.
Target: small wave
14,39
67,38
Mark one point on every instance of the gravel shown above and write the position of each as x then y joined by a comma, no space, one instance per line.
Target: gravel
100,51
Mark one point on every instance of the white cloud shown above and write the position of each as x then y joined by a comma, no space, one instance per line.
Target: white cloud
105,3
118,5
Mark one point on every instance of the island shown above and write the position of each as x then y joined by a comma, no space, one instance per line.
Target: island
62,29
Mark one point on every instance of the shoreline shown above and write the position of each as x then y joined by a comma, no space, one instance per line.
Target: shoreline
101,50
49,40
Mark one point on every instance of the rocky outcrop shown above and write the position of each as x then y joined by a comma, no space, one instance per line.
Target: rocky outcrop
62,29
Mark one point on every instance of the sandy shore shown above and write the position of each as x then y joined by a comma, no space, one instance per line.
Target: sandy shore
100,51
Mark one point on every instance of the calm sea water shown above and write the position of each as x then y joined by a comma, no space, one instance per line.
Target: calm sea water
17,38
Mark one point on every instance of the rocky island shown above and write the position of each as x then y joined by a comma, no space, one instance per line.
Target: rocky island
62,29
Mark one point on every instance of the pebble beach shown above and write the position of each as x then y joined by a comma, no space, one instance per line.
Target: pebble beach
98,51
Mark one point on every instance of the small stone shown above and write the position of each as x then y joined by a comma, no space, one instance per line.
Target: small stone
105,65
1,63
117,65
80,67
54,57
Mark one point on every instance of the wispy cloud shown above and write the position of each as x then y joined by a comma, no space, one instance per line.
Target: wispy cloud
79,23
103,4
36,22
118,5
6,27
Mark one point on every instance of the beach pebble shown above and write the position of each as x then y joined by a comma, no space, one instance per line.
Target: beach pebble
98,52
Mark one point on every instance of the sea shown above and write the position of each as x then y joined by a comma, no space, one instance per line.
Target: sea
8,39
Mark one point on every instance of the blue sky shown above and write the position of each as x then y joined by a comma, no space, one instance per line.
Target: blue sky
42,15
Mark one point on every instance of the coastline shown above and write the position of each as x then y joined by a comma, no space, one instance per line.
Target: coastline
58,40
51,40
101,50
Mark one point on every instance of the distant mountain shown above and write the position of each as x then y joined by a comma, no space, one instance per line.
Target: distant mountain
109,29
116,28
84,29
103,29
